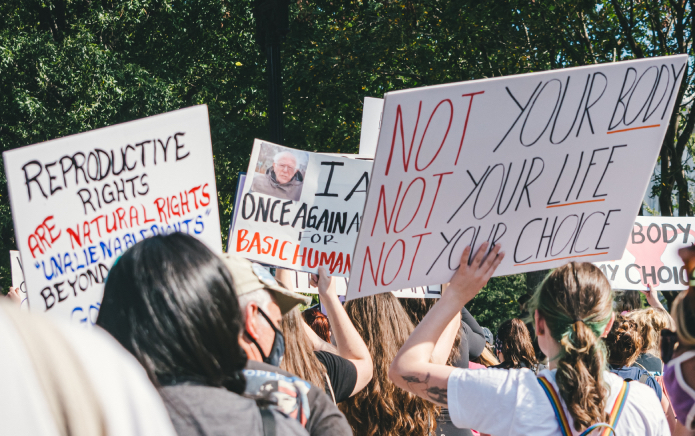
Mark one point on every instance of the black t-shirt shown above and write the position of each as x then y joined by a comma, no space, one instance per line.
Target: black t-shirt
341,372
650,363
324,417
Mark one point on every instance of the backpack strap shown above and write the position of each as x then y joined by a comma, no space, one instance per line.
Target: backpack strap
562,418
557,406
268,421
618,407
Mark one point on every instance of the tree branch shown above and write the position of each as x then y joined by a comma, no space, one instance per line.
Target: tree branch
627,30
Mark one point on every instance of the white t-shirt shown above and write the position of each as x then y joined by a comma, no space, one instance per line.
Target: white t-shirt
512,402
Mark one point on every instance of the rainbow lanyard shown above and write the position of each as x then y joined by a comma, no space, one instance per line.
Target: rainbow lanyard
562,418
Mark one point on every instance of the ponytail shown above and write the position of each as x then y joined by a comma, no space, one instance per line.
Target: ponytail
576,303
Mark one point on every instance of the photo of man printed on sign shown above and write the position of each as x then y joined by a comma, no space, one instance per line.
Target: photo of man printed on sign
280,172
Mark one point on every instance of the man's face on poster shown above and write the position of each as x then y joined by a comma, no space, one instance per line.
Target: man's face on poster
285,168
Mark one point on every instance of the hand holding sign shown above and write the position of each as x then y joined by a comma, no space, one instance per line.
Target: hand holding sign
469,279
553,165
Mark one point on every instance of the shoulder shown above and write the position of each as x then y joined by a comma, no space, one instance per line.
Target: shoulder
333,361
642,413
482,399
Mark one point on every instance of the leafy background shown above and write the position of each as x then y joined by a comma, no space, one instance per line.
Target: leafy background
69,66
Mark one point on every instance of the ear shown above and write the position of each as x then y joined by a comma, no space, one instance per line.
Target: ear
540,323
251,321
608,326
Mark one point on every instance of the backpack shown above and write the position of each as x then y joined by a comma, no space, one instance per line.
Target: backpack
608,427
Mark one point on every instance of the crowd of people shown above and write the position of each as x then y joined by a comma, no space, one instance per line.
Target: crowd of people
192,343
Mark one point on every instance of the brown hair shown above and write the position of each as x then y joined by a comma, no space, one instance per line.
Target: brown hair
318,322
417,308
382,408
575,301
627,301
299,351
624,342
650,322
516,345
684,316
487,357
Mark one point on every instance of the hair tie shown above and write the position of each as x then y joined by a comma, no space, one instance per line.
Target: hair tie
576,320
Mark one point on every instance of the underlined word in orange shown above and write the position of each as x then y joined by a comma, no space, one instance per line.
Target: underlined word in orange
560,258
576,202
634,128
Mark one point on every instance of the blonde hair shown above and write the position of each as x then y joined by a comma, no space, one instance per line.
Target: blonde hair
382,408
487,357
650,322
575,302
299,358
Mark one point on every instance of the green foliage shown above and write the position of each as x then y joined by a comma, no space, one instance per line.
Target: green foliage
69,66
497,302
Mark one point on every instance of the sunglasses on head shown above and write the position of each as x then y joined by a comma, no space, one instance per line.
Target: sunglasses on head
668,344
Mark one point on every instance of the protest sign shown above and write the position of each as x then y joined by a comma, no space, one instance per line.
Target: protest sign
651,255
79,202
371,123
301,284
553,166
237,201
300,210
18,277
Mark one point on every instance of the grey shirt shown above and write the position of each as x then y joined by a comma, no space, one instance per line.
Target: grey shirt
197,410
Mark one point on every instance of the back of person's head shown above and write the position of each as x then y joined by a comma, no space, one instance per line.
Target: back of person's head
683,313
575,301
170,301
318,322
650,322
627,301
382,408
624,342
299,357
514,343
417,308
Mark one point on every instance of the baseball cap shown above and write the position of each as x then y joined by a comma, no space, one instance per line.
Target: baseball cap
249,277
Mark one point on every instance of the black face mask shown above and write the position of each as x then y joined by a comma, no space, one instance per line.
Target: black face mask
277,351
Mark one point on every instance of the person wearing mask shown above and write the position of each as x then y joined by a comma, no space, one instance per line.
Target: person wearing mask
170,301
383,408
514,346
572,310
679,373
624,344
263,302
345,370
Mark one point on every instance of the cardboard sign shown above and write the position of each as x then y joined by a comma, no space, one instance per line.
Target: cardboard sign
301,284
553,166
371,124
300,210
237,201
79,202
18,277
651,255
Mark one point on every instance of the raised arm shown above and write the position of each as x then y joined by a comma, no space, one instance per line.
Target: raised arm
442,349
412,370
284,277
474,333
348,341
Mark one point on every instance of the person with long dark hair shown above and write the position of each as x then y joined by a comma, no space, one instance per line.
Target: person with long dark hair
572,311
514,346
171,302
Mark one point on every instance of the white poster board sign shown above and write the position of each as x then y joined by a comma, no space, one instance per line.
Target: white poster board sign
553,166
17,272
300,210
301,284
371,123
651,255
79,202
